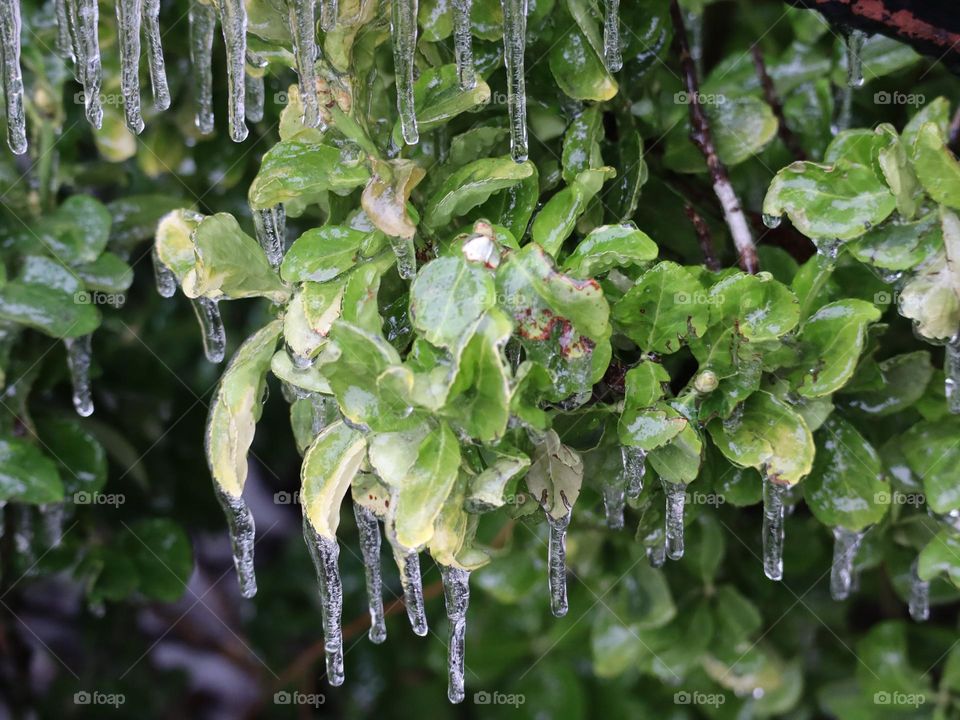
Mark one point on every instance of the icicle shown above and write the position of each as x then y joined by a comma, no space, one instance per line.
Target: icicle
271,228
12,78
514,44
233,24
325,553
676,499
845,546
304,35
611,35
403,29
64,43
242,539
951,368
203,22
919,595
253,86
557,561
164,277
657,555
158,72
456,595
613,502
51,516
463,44
23,533
91,73
854,44
328,14
413,591
406,254
211,324
634,468
772,221
369,528
78,360
773,493
128,34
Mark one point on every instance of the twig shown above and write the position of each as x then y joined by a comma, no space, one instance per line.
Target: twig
703,236
701,137
773,100
954,133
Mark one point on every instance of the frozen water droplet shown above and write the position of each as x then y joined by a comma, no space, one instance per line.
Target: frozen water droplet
412,583
456,595
203,23
557,561
854,45
613,58
325,553
158,71
772,221
211,326
406,254
773,494
303,32
12,77
676,494
233,24
328,14
514,45
951,368
369,528
271,230
242,539
403,29
846,543
164,277
79,359
919,595
463,44
828,248
634,468
613,502
128,35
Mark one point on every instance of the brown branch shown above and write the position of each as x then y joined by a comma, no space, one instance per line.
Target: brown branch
773,100
703,139
953,135
703,236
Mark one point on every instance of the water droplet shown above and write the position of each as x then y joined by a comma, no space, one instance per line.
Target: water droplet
772,221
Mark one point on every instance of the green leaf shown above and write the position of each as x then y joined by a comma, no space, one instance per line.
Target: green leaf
555,475
81,459
447,297
897,244
937,168
237,407
757,305
108,273
77,231
52,312
174,241
884,651
610,246
904,380
649,428
27,475
577,62
470,186
644,384
941,556
557,219
487,490
329,466
581,144
679,460
321,254
161,553
438,98
385,197
135,217
898,172
937,112
933,454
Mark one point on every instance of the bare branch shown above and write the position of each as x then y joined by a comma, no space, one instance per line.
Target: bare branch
773,100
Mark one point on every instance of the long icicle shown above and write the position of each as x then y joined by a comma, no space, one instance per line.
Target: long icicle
158,70
233,24
403,29
514,45
242,539
676,494
128,34
164,277
463,44
328,14
79,359
612,55
557,563
71,10
203,23
271,226
846,543
634,468
919,595
303,32
369,528
773,494
456,595
325,553
91,73
12,77
412,583
211,325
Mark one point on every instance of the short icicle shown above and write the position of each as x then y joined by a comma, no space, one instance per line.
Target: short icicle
456,595
369,528
253,84
613,502
203,23
91,72
303,32
634,468
773,495
403,29
514,45
919,595
463,44
271,228
51,519
612,55
64,43
325,553
406,253
412,583
854,40
242,539
557,562
233,24
211,325
79,359
328,14
846,543
158,70
657,555
951,368
165,279
12,76
676,494
128,34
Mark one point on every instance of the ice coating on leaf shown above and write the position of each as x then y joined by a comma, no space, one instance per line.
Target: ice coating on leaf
412,582
325,553
463,44
158,71
403,29
557,562
242,539
773,496
919,595
12,77
128,35
233,23
369,528
304,35
634,468
328,14
846,543
514,45
203,22
271,228
676,496
456,594
211,328
612,56
79,359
